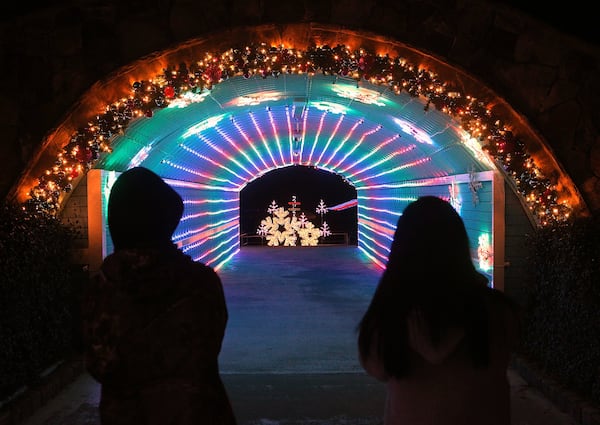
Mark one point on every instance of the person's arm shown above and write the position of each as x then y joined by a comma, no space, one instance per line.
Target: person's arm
99,324
420,341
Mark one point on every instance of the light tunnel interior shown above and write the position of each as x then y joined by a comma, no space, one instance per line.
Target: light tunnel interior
389,147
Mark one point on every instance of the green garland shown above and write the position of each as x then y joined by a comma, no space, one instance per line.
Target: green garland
505,148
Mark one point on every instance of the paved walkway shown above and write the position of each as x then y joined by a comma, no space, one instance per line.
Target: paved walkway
289,354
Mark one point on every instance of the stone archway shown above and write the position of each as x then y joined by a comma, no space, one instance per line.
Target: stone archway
425,86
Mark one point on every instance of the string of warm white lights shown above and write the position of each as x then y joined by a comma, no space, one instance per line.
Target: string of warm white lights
178,83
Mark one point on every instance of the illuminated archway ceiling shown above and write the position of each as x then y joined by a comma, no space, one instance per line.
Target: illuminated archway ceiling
245,127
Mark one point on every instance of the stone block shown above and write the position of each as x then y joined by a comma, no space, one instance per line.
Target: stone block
5,418
590,414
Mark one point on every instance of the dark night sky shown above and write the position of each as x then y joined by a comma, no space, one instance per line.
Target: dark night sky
576,18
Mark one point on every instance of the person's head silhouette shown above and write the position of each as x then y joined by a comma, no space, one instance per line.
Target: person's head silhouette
143,210
431,245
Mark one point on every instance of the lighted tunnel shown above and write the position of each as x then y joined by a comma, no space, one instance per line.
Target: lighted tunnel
386,145
214,123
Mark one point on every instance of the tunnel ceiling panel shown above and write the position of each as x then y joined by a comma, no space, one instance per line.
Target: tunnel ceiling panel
245,127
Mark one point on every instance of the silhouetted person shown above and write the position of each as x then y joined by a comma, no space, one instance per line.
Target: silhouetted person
154,320
435,332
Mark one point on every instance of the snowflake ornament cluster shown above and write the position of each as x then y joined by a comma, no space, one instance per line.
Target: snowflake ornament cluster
281,228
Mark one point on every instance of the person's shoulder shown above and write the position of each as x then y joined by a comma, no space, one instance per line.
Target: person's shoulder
500,303
198,266
500,298
197,270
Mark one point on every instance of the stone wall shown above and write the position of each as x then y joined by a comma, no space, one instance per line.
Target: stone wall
52,56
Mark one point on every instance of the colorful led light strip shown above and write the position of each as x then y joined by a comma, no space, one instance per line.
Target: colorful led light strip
237,148
373,151
220,155
228,157
331,137
212,161
276,135
357,145
316,138
264,141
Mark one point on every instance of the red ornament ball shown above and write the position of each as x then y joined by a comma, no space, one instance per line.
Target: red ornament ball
169,92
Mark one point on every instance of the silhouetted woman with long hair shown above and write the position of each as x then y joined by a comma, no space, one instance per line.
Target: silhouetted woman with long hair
435,332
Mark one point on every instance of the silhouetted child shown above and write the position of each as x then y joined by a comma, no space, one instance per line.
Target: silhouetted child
435,332
154,320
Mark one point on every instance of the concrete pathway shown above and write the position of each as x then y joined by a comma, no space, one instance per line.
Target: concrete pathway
289,354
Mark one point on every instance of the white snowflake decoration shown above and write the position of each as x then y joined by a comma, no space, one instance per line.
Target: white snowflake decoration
263,229
290,238
309,235
325,230
281,228
273,234
302,221
321,208
273,207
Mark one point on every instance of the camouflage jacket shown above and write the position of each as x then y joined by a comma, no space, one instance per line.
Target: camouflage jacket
153,324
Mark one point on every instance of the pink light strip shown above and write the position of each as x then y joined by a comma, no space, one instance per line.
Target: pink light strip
333,134
433,181
212,161
373,259
216,248
344,205
210,201
384,255
264,140
213,235
388,228
209,213
237,148
194,185
315,141
233,246
205,230
381,161
290,133
357,144
303,137
217,267
388,198
343,141
249,141
362,236
384,211
197,173
223,153
372,152
276,135
395,169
